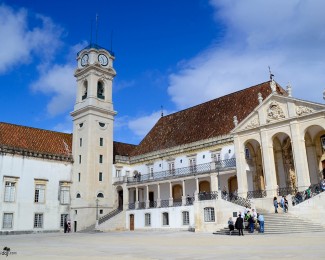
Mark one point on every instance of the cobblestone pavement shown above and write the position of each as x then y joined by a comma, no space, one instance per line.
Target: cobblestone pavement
163,245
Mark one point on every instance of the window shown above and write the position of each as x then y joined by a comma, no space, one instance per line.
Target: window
165,219
151,171
100,176
38,220
65,195
216,156
247,153
100,195
171,168
147,218
63,219
101,211
80,142
39,193
209,215
186,218
101,141
100,158
78,176
127,173
100,90
79,159
78,196
101,124
7,220
10,190
193,164
85,88
118,173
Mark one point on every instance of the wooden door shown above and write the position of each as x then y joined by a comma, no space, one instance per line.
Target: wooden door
233,186
177,192
131,222
204,186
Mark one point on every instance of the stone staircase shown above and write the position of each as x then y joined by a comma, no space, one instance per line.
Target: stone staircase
281,223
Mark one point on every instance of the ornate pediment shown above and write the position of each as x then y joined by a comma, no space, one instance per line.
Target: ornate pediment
254,122
302,110
274,112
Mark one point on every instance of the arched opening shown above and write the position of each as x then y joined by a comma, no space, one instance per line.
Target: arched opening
100,195
78,196
285,169
232,185
204,186
120,197
100,90
177,192
84,90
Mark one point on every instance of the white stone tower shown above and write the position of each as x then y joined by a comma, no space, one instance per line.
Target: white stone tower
93,119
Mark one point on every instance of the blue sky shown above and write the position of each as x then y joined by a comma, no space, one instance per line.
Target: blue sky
169,53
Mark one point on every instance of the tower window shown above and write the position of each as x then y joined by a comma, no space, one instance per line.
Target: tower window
101,141
78,176
100,90
100,195
84,90
100,176
79,159
100,158
80,142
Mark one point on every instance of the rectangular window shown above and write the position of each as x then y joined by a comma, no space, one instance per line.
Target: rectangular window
147,219
165,219
127,173
100,176
7,220
193,164
186,218
209,215
101,141
247,154
38,220
100,158
171,168
79,159
118,173
64,194
80,142
79,177
39,193
10,190
62,220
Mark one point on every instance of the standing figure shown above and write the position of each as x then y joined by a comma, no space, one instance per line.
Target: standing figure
65,225
239,225
275,204
231,225
261,221
282,204
69,226
286,204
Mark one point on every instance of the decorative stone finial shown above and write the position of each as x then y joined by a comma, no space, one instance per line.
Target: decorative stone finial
260,98
289,90
235,121
273,85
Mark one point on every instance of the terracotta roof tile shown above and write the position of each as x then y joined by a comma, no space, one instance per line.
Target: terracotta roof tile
35,140
122,149
210,119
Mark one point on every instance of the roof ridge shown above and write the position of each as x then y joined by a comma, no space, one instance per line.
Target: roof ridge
36,128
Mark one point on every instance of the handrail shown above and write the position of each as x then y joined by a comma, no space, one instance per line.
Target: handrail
109,215
312,191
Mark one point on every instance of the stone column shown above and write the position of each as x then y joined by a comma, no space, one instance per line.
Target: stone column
126,198
299,156
171,202
184,194
147,195
196,194
136,197
158,196
268,164
241,167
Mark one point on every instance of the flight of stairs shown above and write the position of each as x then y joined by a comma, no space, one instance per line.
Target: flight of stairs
281,223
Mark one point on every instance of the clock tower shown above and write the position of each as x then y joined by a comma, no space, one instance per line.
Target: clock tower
93,118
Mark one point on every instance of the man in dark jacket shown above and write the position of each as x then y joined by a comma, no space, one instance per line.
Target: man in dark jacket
239,225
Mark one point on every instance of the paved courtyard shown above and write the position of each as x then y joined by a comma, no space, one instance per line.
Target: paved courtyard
163,245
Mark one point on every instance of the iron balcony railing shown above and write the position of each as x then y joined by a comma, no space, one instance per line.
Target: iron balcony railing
256,194
236,199
185,171
286,191
312,191
213,195
164,203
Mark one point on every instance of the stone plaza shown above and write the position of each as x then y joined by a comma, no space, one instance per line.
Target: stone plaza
163,245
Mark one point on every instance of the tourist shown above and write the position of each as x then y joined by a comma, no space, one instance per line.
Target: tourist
231,225
224,192
276,204
282,204
286,204
239,225
69,226
251,223
308,193
65,225
261,222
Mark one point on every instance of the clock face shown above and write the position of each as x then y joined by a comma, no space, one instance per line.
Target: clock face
103,60
84,60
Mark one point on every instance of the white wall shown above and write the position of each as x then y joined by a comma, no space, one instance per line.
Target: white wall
27,169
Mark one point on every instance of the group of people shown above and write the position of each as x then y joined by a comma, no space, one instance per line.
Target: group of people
249,220
284,204
67,226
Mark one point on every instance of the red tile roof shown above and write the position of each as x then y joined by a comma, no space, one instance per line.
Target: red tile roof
210,119
23,138
122,149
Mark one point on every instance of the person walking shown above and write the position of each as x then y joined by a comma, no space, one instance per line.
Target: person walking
282,204
286,204
231,226
276,204
261,222
239,225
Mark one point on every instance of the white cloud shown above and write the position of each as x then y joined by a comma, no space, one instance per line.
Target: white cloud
61,85
287,35
19,39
